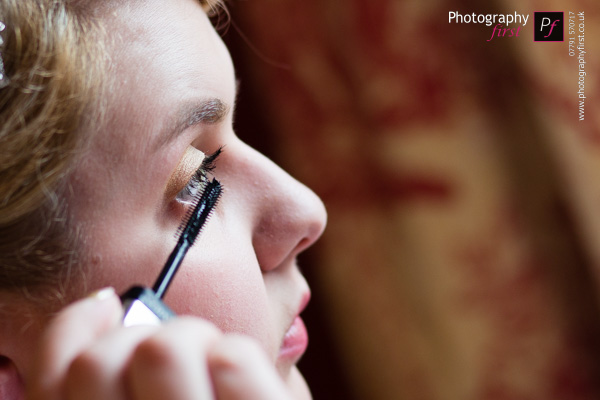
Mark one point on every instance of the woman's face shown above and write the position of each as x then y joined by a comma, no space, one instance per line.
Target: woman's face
171,103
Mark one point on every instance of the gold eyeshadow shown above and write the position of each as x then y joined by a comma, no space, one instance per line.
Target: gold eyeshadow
186,168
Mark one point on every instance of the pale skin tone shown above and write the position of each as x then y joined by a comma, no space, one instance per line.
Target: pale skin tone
240,285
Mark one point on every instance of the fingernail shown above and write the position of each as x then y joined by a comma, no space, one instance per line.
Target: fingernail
102,294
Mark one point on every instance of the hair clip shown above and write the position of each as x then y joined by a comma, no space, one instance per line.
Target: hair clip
3,78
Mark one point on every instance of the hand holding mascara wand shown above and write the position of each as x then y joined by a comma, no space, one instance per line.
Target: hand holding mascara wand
143,305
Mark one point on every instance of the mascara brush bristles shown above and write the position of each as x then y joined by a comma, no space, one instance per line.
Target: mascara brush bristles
212,194
202,211
189,230
188,215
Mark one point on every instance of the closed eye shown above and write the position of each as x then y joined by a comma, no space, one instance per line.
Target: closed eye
199,180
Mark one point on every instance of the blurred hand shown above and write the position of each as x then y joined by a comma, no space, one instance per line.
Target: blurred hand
86,354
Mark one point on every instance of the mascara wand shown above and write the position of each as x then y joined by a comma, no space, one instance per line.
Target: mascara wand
143,305
194,222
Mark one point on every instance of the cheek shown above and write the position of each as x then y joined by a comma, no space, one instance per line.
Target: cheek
219,279
126,252
226,288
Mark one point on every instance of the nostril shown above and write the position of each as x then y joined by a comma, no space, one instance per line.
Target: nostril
11,384
302,245
314,229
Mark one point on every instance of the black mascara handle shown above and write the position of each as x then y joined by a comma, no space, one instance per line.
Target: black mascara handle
166,275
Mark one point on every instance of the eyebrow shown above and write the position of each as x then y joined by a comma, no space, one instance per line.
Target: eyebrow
208,111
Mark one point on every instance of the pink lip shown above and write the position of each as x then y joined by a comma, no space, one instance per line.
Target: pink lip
295,341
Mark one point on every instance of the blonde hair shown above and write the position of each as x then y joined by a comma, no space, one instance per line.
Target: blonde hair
54,58
51,58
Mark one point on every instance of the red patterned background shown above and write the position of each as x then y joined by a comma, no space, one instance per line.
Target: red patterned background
462,255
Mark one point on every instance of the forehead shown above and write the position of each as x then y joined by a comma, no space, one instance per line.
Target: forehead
162,53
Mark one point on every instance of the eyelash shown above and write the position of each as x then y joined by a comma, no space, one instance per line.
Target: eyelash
199,179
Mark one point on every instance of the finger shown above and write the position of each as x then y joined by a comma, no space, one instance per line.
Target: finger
172,363
297,385
98,372
73,330
241,370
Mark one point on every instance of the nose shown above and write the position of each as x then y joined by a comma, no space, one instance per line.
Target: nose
287,217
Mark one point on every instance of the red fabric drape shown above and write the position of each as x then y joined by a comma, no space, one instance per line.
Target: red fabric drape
462,255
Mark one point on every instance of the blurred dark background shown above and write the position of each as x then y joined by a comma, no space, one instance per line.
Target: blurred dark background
461,259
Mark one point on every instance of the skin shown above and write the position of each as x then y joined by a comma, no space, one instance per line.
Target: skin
241,276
